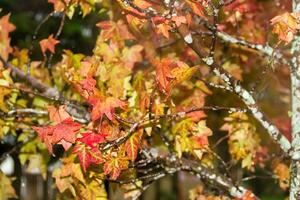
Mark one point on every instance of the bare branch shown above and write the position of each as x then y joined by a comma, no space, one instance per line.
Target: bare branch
28,111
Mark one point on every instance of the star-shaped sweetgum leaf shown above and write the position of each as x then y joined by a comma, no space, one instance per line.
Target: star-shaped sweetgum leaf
114,166
48,44
87,155
132,145
92,139
105,106
63,133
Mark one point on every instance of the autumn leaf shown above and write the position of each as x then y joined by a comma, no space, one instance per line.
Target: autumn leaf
241,6
248,195
163,29
89,84
286,26
197,8
132,55
132,145
48,44
94,189
114,166
182,144
105,106
7,190
163,75
6,27
200,136
63,133
3,93
243,140
92,139
69,174
57,115
281,170
45,134
191,137
179,20
171,72
182,72
65,130
111,29
143,3
59,5
87,155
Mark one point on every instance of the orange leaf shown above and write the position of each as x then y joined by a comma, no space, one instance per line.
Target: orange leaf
286,26
105,106
247,196
114,166
59,5
6,27
48,44
57,114
163,75
132,145
163,29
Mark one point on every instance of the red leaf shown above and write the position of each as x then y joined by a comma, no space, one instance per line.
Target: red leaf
91,139
87,155
44,133
201,141
89,84
105,25
62,133
66,130
48,44
104,106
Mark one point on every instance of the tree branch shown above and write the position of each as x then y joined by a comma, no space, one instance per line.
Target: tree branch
244,95
265,50
171,164
51,93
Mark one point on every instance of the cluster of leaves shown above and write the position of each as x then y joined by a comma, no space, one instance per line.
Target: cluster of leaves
286,26
136,97
69,6
243,141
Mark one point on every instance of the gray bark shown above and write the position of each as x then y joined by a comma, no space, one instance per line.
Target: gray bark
295,102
